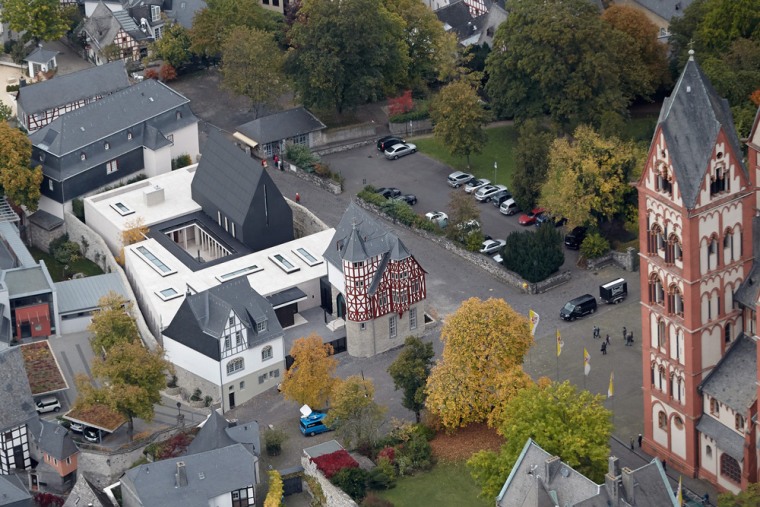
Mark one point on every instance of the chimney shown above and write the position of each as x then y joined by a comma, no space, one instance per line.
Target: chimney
232,423
613,466
551,466
628,484
181,476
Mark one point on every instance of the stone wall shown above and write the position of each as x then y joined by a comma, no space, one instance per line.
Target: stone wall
343,147
411,128
342,134
189,382
628,260
41,238
324,183
335,496
305,223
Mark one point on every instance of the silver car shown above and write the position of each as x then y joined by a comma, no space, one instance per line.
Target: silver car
458,178
399,150
488,191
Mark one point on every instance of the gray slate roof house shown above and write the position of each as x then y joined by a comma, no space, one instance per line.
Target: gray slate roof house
457,18
200,321
197,480
218,432
41,103
52,438
666,9
41,59
13,492
269,134
86,493
15,393
695,102
81,295
539,479
235,191
183,11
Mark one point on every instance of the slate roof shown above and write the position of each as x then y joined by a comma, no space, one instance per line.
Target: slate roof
16,247
15,394
27,281
85,84
247,434
13,492
209,474
41,55
748,292
109,115
101,26
728,440
732,381
183,11
85,493
359,237
282,125
691,119
212,435
666,9
457,18
129,25
52,438
201,319
83,294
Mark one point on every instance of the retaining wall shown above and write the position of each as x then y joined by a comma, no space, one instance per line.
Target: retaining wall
335,496
341,134
411,128
324,183
628,260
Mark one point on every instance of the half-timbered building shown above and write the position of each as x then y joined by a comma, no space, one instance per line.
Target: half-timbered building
378,285
41,103
106,27
137,130
18,411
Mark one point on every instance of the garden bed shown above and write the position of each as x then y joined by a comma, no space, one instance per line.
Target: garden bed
81,265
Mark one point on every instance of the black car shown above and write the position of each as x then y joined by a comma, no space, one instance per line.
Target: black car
575,237
386,142
500,197
388,193
410,199
547,218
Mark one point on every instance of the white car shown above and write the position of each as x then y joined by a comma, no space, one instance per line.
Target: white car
438,217
491,246
474,185
488,191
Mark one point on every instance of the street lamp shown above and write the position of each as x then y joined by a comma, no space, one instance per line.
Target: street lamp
495,166
179,413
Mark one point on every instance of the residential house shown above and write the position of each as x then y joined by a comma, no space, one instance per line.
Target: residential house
79,298
178,11
225,476
539,479
105,27
461,19
85,493
43,102
137,130
91,5
18,411
378,286
269,135
183,11
56,455
148,15
700,247
217,432
496,15
13,492
41,60
227,341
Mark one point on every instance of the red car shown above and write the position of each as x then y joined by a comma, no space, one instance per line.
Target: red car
531,217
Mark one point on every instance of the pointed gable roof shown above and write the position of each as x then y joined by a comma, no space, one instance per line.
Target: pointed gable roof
691,119
733,380
212,435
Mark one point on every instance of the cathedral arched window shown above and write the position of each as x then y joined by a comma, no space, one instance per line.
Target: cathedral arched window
730,469
656,290
675,301
719,178
655,240
673,251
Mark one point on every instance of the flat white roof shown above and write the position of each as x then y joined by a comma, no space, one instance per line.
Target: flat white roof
124,204
268,276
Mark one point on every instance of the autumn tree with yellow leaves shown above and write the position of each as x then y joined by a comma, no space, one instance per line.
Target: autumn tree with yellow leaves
134,231
311,377
481,368
19,180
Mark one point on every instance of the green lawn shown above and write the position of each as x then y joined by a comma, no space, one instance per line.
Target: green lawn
82,265
499,149
447,484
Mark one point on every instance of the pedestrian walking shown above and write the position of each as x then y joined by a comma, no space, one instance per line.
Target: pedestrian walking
640,439
607,340
625,333
276,160
596,332
264,163
604,348
630,338
298,197
631,443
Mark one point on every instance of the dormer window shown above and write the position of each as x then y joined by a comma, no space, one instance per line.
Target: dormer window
714,407
42,157
155,12
83,156
739,422
179,115
107,145
261,326
129,135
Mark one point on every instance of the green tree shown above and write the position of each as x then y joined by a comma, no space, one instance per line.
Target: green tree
40,20
174,46
750,497
6,113
112,324
354,413
458,119
212,24
410,372
462,211
534,255
20,181
311,377
484,343
725,21
252,66
345,53
562,419
589,177
535,136
557,57
111,52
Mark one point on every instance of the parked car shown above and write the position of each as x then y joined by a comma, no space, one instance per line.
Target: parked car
469,225
386,142
578,307
491,246
76,427
312,422
388,192
574,238
485,193
509,207
399,150
547,218
531,217
438,217
476,184
48,404
458,178
500,197
91,435
410,199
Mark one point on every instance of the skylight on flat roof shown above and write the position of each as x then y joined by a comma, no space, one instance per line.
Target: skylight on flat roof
239,272
307,256
284,263
122,209
168,293
154,261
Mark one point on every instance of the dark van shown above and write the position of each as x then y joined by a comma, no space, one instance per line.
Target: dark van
578,307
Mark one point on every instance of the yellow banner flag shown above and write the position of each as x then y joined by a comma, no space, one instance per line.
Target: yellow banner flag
611,388
560,344
534,318
680,492
586,361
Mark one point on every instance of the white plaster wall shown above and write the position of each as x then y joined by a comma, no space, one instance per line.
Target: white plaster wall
709,463
653,329
711,347
659,435
76,325
186,142
336,278
252,359
158,161
103,226
678,438
51,206
313,296
193,361
676,345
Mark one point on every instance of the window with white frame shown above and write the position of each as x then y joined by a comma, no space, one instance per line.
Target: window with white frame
235,365
392,326
50,184
112,167
266,353
106,145
412,318
238,272
284,263
238,338
155,12
261,326
302,139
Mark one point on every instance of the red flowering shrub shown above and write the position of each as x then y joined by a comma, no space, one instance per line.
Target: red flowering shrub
48,500
401,104
331,464
167,72
150,74
388,453
173,447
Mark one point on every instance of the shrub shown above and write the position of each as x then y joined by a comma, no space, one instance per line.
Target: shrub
172,382
48,500
534,256
167,72
66,252
12,88
383,476
387,453
273,440
274,495
414,455
150,74
207,400
372,500
421,111
196,395
183,160
302,157
594,246
330,464
401,104
55,242
353,481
